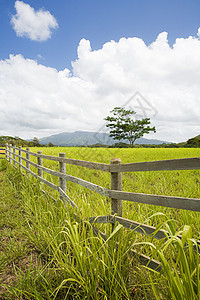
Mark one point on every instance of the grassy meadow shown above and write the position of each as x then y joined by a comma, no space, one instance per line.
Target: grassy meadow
177,183
75,264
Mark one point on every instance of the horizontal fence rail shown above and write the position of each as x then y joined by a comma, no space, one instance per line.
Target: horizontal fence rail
162,165
2,151
133,225
116,194
75,162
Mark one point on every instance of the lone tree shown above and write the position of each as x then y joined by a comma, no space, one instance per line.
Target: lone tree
124,127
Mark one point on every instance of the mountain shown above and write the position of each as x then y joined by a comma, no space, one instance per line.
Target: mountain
197,137
86,138
193,142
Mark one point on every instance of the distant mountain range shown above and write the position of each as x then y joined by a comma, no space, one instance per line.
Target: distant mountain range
86,138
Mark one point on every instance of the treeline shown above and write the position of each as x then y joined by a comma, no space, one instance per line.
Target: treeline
191,143
17,141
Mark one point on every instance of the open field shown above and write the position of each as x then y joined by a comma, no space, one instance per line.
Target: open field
171,183
78,265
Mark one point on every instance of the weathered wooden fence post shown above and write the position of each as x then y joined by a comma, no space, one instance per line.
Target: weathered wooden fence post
40,163
10,154
28,158
62,169
20,157
116,184
7,154
14,155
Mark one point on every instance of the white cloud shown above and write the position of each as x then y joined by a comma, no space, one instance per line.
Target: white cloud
35,25
37,101
198,33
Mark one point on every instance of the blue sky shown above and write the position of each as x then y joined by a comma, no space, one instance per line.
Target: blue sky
99,22
63,59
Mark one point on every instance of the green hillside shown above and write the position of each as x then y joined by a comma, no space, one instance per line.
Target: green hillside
12,140
19,142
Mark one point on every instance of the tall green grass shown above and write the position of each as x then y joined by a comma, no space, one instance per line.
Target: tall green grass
79,265
181,269
76,264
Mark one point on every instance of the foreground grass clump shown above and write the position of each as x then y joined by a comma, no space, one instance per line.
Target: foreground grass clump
15,249
179,256
76,264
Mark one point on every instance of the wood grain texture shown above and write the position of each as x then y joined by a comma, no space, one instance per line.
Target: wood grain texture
10,153
27,151
40,163
91,186
19,155
14,156
139,227
116,184
162,165
129,224
76,162
159,200
62,169
27,159
81,163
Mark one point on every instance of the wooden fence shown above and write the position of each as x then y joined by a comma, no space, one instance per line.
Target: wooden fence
117,196
2,151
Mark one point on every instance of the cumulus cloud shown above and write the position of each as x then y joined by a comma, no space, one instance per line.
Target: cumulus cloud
157,81
35,98
35,25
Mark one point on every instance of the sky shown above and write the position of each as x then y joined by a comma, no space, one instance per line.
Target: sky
64,65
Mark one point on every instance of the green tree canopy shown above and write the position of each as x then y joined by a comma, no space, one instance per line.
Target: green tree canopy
194,142
124,127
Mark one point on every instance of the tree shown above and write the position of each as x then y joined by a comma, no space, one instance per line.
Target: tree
123,127
193,142
36,142
50,145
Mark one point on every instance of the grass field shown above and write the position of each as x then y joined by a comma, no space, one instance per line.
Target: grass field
77,265
177,183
